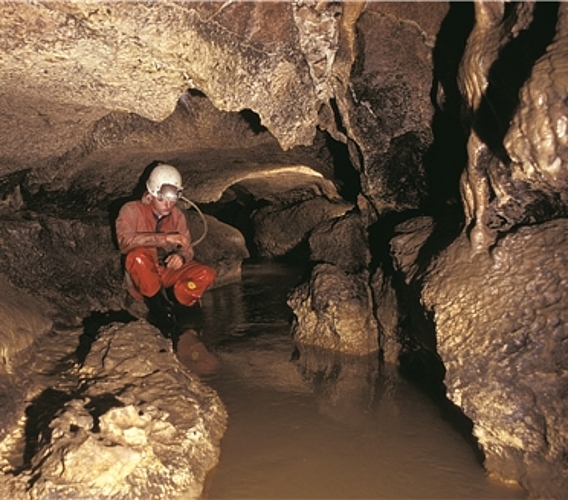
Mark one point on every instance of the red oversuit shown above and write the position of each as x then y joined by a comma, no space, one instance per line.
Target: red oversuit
141,237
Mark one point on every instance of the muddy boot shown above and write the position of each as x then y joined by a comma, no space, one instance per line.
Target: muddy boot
160,313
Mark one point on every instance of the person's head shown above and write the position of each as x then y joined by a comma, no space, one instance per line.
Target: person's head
165,187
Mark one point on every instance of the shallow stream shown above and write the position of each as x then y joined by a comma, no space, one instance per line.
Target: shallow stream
307,426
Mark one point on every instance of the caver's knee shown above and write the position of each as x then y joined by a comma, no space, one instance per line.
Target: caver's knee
205,275
139,257
198,273
193,282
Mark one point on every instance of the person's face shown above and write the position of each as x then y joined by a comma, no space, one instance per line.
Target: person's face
163,207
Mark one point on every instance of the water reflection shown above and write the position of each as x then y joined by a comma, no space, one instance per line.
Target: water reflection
193,353
304,423
343,386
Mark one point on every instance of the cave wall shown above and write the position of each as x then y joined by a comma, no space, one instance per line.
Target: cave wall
496,294
388,111
515,113
226,92
501,333
234,92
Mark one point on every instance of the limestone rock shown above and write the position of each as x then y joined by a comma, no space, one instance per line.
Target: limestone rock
115,97
539,153
341,241
23,318
334,311
388,312
96,54
224,248
502,335
388,112
68,262
409,239
63,267
141,425
279,229
516,118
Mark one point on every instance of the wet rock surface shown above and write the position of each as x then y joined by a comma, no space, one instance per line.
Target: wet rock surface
280,229
501,333
23,319
334,311
126,420
516,170
392,111
73,267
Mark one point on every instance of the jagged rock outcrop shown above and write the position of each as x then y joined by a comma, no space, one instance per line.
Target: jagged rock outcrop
396,296
128,428
387,112
342,241
499,315
73,265
333,310
23,318
280,229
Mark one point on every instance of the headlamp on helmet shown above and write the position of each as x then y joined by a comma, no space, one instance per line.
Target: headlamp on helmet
169,193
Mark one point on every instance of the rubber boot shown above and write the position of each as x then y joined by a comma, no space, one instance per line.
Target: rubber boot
160,313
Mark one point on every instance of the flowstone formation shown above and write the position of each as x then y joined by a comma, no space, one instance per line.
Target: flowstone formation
516,172
120,426
502,333
498,306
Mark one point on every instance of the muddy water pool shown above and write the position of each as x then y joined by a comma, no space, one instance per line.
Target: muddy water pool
310,427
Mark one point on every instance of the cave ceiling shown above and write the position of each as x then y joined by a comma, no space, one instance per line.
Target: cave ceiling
94,92
110,87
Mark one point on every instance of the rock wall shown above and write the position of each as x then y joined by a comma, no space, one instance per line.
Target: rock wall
295,66
501,331
388,110
498,304
516,171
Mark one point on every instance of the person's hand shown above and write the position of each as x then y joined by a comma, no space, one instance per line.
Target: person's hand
177,240
174,261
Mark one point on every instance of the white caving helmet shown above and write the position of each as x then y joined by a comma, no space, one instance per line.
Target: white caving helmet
165,182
